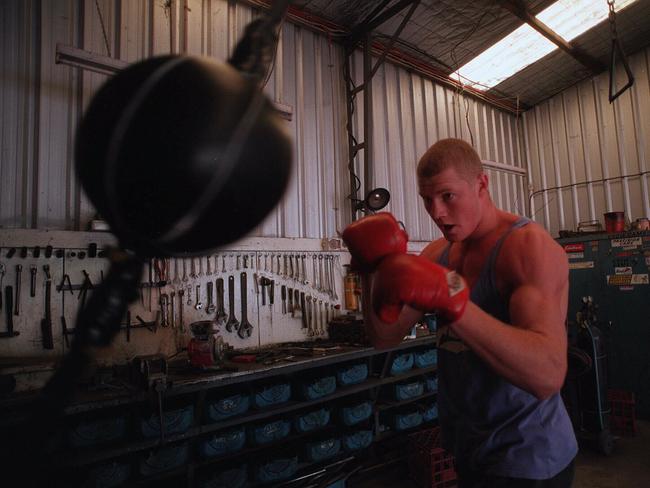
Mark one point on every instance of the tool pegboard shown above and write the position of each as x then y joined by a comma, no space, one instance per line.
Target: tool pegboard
291,288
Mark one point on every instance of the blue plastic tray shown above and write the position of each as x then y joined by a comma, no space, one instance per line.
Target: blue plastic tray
402,363
175,422
269,432
223,443
227,407
269,395
312,420
354,414
352,375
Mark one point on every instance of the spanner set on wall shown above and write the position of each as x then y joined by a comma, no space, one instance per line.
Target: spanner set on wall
262,287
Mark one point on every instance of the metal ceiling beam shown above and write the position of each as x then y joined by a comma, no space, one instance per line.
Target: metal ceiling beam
376,19
518,8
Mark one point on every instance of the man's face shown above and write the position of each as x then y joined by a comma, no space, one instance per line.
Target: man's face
453,202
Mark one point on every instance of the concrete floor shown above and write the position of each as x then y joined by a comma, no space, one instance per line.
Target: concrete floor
627,467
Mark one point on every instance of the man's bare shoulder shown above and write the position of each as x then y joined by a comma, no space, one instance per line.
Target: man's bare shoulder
530,251
434,249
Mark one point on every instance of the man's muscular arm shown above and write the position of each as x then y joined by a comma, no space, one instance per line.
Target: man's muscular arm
533,353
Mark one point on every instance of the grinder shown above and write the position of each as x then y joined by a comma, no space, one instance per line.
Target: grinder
206,349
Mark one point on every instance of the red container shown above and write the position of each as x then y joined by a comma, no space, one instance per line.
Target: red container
430,466
614,222
622,420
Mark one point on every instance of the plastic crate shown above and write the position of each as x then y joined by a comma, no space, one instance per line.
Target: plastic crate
429,464
622,420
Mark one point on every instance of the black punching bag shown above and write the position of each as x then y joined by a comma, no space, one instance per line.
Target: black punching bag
181,155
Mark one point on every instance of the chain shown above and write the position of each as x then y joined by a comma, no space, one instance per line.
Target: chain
612,18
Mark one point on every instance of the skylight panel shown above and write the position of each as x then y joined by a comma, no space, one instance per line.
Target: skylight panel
524,46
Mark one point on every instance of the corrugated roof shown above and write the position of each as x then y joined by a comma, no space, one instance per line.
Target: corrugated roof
447,34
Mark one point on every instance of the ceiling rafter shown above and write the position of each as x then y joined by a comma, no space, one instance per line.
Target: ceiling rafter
517,8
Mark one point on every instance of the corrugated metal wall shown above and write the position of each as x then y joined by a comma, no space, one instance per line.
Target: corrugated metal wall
578,136
41,103
410,113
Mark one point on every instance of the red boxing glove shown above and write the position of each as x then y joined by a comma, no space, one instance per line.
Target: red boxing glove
404,279
373,237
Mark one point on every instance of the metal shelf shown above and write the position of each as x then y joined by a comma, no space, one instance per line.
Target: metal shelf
71,459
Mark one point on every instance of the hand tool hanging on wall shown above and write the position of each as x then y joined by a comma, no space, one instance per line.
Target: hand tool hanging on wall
46,323
210,307
32,280
181,325
2,277
245,327
66,332
19,272
290,299
232,322
299,305
283,295
221,317
198,305
85,286
163,300
308,316
9,304
172,300
271,293
65,285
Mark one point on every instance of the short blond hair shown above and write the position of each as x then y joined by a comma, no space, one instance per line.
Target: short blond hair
450,153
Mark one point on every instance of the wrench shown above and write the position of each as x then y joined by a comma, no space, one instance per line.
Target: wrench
32,280
320,273
221,313
184,270
320,317
300,305
314,283
223,263
176,279
245,327
2,277
309,316
335,297
193,268
19,272
172,299
303,258
164,309
198,305
232,320
210,308
181,292
237,264
209,271
200,267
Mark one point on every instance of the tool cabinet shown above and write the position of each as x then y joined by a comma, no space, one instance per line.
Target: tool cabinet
262,425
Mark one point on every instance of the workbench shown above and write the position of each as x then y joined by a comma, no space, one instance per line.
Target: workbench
184,388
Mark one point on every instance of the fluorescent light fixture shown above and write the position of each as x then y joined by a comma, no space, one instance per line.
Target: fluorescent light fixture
524,46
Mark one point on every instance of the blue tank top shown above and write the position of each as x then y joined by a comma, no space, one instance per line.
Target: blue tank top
488,423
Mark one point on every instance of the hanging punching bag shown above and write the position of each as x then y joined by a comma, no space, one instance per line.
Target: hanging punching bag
181,155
